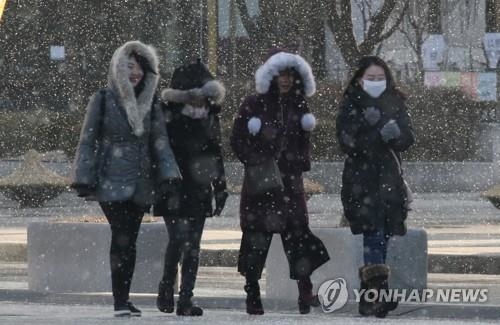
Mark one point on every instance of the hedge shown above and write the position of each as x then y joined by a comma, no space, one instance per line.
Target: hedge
446,124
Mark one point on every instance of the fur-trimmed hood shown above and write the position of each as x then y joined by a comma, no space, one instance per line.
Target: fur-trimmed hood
213,90
136,108
282,61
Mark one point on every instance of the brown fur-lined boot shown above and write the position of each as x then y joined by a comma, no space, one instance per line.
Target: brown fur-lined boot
374,277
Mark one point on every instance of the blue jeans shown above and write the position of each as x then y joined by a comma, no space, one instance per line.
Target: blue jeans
375,247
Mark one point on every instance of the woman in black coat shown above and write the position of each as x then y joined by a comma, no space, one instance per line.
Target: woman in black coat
192,116
123,155
373,128
275,125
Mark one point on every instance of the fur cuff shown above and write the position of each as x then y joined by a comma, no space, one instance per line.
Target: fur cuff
367,273
308,122
212,90
254,125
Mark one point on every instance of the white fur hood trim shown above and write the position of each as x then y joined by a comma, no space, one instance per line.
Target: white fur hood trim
213,90
282,61
136,108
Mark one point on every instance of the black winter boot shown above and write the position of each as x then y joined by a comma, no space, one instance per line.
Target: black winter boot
306,297
253,301
185,307
165,299
373,277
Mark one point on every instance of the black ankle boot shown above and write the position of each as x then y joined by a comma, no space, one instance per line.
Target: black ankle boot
186,308
253,301
165,299
306,297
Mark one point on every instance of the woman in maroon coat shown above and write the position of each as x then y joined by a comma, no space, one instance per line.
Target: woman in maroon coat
276,124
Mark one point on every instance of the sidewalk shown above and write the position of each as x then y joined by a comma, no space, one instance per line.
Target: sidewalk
48,314
464,251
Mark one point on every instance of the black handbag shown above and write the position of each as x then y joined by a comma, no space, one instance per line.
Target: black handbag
263,178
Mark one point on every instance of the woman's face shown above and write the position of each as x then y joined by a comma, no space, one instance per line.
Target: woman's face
373,73
285,82
135,73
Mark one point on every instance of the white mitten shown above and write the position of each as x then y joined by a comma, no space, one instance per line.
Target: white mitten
254,125
308,122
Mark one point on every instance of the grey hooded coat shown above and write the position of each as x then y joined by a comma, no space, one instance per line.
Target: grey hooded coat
124,151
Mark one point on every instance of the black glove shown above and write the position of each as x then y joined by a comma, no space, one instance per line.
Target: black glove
220,195
220,202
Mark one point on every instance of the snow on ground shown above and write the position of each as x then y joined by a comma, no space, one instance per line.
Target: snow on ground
17,313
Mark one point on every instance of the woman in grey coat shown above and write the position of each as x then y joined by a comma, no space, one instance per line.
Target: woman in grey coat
123,155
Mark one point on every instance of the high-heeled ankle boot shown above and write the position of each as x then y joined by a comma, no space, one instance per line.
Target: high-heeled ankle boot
253,301
306,297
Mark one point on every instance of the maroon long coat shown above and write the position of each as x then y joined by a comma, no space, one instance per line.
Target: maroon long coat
289,144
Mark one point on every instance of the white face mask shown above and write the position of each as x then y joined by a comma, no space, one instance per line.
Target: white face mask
374,88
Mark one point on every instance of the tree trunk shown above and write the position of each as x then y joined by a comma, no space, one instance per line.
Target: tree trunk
341,24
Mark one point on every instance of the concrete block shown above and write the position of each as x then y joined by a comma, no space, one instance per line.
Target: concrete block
74,257
407,258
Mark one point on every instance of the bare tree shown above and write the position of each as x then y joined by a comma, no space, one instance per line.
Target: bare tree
376,31
297,25
261,29
414,28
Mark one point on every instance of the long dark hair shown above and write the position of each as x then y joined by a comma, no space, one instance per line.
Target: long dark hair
366,62
297,87
146,68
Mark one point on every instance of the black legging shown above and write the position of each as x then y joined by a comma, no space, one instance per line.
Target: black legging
125,220
184,239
